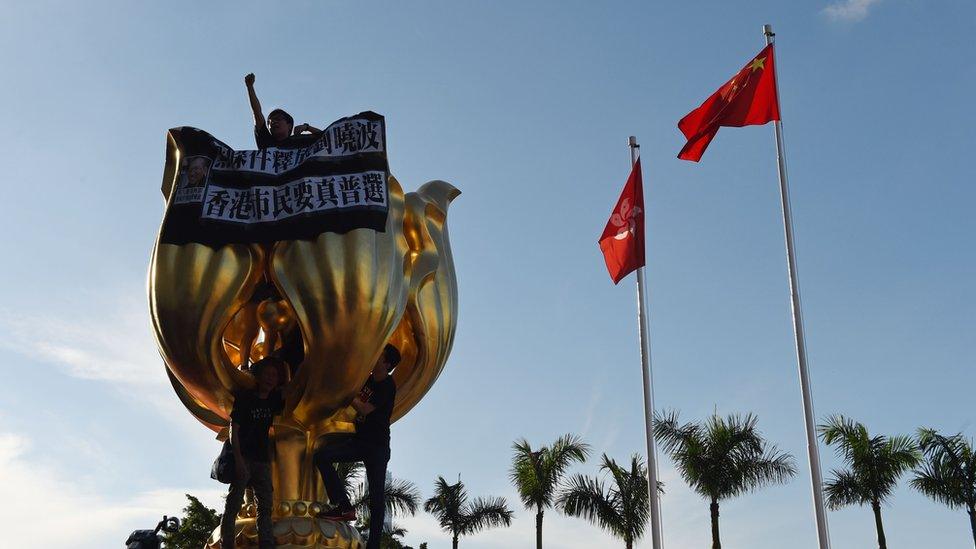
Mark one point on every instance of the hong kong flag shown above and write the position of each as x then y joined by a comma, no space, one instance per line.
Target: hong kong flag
748,99
623,238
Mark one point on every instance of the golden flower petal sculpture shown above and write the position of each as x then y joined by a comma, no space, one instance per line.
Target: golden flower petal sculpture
345,295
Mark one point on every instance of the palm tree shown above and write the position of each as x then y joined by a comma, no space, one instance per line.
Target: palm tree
350,473
459,517
876,463
722,458
400,496
948,473
621,509
537,474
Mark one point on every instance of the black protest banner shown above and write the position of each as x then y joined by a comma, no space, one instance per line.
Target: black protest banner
333,181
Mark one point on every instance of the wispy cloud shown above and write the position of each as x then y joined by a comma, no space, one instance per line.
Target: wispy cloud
850,11
43,500
114,346
596,395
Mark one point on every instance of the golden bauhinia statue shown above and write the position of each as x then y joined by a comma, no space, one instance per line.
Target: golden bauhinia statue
315,254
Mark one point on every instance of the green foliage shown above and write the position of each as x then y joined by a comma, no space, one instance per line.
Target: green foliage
621,508
724,457
400,496
874,463
948,471
196,525
537,474
350,473
458,516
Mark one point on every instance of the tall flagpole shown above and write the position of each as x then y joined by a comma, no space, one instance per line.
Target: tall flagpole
645,352
813,451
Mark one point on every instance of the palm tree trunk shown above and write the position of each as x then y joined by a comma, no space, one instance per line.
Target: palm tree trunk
538,530
716,544
972,521
455,542
882,543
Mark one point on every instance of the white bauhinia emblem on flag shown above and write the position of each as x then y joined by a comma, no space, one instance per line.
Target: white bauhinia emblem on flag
622,241
625,220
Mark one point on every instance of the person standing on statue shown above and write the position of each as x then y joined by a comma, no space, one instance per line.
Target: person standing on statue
277,132
370,444
251,418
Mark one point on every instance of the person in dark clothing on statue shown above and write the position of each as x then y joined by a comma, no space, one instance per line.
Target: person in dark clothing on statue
251,418
280,125
370,444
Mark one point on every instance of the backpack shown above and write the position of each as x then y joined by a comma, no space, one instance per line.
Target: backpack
223,467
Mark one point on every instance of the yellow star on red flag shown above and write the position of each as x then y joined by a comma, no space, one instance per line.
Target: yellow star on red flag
748,99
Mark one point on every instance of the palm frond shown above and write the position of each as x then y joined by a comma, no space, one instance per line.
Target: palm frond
850,437
769,466
587,498
350,473
455,515
537,474
399,496
620,508
948,472
526,474
671,434
636,501
876,463
934,481
446,504
567,449
723,457
402,497
486,513
845,489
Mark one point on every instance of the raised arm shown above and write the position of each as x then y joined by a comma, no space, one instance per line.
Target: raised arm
302,128
253,98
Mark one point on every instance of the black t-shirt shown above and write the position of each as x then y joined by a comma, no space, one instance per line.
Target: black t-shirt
264,139
375,428
255,416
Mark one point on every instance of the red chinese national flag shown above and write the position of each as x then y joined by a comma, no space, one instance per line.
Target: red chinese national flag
748,99
623,238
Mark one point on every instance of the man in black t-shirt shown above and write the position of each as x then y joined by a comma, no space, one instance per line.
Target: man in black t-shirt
370,444
280,125
251,418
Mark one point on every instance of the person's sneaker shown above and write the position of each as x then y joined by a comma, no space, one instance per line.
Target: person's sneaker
337,513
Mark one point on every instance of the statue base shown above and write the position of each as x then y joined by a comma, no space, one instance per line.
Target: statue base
295,533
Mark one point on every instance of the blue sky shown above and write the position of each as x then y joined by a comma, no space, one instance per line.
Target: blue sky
526,107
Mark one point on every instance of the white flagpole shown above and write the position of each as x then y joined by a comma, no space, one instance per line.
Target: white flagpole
813,451
645,351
